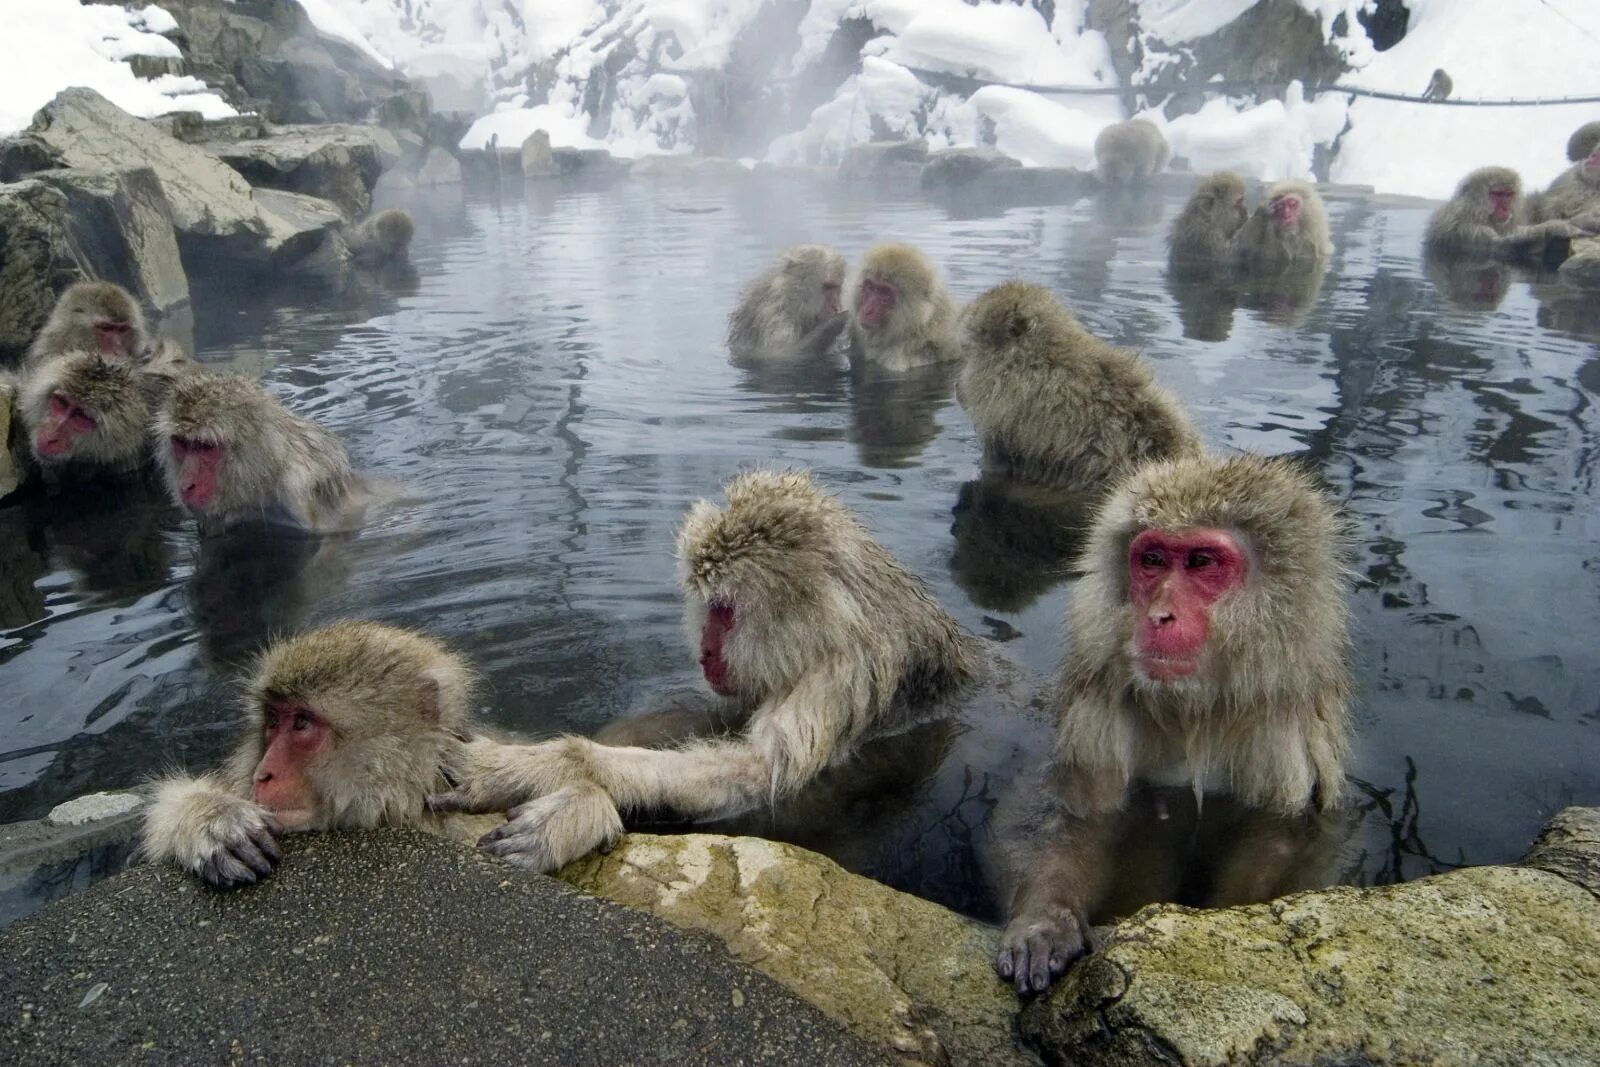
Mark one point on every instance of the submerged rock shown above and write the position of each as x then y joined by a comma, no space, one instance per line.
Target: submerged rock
1482,965
337,163
896,970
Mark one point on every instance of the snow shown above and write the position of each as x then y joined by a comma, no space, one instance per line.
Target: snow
515,125
54,44
1176,21
1040,132
1271,141
1002,43
327,16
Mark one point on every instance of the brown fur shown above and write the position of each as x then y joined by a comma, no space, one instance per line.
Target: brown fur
782,312
1202,234
921,328
399,704
1583,141
1574,196
1266,721
383,238
1128,153
832,638
70,327
1054,404
118,394
1263,247
1466,226
276,465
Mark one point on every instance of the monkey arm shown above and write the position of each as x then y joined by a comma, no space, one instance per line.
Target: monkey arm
207,829
822,337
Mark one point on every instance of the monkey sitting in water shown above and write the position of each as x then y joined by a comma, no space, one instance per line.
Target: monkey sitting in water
791,309
1487,217
1202,235
901,315
385,238
88,413
98,317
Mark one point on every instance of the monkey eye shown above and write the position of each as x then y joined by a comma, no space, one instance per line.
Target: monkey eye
1199,558
302,722
1151,559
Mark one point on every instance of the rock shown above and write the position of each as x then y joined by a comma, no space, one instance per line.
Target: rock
1582,267
688,168
93,808
959,166
1482,965
36,262
337,163
896,970
191,127
11,468
317,244
589,162
877,157
438,167
538,159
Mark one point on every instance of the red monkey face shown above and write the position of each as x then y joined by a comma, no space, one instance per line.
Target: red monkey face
199,463
113,337
1592,164
294,736
874,302
1173,579
1500,203
65,424
1286,211
713,653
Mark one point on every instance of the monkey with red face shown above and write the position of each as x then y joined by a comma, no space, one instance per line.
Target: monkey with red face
1487,217
1287,231
93,317
1208,650
87,413
901,315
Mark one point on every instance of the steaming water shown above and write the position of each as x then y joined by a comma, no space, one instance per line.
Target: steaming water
551,385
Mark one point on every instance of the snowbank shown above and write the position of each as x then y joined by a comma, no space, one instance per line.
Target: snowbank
515,125
53,44
329,17
1271,141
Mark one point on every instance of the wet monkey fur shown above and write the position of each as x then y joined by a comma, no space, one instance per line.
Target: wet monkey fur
383,238
88,412
1128,153
1202,235
93,317
793,308
901,315
1487,217
1288,230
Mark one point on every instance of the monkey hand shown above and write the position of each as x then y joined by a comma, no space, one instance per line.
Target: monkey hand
492,776
1035,950
224,838
545,835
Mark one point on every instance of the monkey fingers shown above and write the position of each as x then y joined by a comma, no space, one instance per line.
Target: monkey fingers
241,859
1033,954
545,835
494,776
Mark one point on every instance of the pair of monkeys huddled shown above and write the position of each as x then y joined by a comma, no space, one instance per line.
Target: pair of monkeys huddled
97,394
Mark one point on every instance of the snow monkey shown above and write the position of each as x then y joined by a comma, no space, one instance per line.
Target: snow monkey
229,451
1208,649
1575,195
1440,86
1127,153
93,317
86,411
800,618
1054,404
347,727
1584,140
383,238
1486,217
1287,230
1202,234
901,316
792,308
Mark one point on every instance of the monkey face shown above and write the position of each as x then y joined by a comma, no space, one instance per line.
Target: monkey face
295,739
1500,198
65,426
714,635
875,302
198,464
1174,577
1286,211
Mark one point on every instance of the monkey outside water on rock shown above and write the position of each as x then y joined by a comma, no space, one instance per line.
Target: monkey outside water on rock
1055,405
1207,669
816,640
901,315
792,309
1129,153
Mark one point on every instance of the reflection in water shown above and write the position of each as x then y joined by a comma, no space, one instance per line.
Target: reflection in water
1205,306
1014,541
1470,284
254,583
1284,298
894,413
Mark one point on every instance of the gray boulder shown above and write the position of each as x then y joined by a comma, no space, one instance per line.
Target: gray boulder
956,167
435,167
317,244
12,470
337,163
877,158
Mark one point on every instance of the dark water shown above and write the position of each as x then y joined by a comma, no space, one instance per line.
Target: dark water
552,385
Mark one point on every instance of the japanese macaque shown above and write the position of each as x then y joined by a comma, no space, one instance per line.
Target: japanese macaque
1584,140
1055,405
1208,653
93,317
1202,235
1288,230
348,727
901,316
1574,196
1127,153
89,412
1486,217
793,308
229,451
1439,86
814,632
383,238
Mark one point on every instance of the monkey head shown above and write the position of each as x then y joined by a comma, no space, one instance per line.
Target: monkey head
1584,140
1207,574
394,229
893,277
1589,172
813,283
1491,195
1220,199
351,725
1015,314
213,443
84,407
762,576
1285,202
101,317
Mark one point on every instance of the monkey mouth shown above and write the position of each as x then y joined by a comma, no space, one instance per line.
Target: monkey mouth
293,820
1167,668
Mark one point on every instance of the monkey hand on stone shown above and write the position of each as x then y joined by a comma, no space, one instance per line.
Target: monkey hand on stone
546,834
209,831
1033,955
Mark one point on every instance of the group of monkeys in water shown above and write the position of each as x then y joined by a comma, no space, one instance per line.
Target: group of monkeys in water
1208,653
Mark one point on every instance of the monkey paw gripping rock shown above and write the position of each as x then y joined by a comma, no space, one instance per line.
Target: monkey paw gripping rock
894,969
1484,965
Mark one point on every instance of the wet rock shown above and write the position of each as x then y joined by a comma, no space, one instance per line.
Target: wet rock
1582,267
11,467
435,167
955,167
36,263
191,127
687,168
1483,965
876,158
896,970
318,244
337,163
93,808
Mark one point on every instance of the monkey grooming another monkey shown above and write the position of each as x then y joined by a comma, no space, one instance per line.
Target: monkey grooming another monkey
797,615
1486,217
901,316
383,238
792,308
1574,196
348,727
1288,230
1584,140
229,451
1128,153
1208,648
92,317
1202,235
88,412
1054,404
